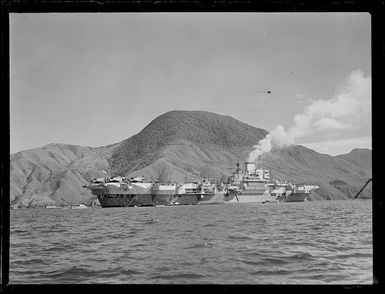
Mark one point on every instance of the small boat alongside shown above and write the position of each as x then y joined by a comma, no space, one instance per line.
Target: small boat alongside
267,201
80,206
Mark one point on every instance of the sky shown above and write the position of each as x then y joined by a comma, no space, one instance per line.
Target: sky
94,79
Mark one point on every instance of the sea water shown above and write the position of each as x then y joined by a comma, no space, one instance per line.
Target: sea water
313,242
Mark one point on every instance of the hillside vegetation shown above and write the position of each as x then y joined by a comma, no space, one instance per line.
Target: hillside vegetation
339,177
200,132
55,173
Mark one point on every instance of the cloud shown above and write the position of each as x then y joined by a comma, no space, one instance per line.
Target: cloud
327,123
349,109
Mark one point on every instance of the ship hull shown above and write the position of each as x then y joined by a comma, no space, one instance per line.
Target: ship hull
162,195
125,200
253,198
297,197
122,195
185,199
215,198
130,200
162,199
135,194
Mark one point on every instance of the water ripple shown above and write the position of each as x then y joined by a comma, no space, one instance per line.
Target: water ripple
179,276
321,242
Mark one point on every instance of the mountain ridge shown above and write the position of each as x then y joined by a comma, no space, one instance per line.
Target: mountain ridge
179,146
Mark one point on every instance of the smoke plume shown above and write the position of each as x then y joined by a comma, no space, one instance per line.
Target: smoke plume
349,109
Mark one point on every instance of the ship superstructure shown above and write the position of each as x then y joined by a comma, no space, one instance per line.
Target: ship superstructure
253,184
256,185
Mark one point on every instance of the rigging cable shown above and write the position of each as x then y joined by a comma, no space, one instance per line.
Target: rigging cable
367,182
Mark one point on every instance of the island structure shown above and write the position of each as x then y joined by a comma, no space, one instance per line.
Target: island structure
255,184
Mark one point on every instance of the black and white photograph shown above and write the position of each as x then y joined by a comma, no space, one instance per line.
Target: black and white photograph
190,148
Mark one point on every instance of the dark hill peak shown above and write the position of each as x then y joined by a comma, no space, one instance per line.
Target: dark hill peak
201,128
197,114
201,121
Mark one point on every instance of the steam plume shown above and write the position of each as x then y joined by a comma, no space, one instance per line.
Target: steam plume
349,109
